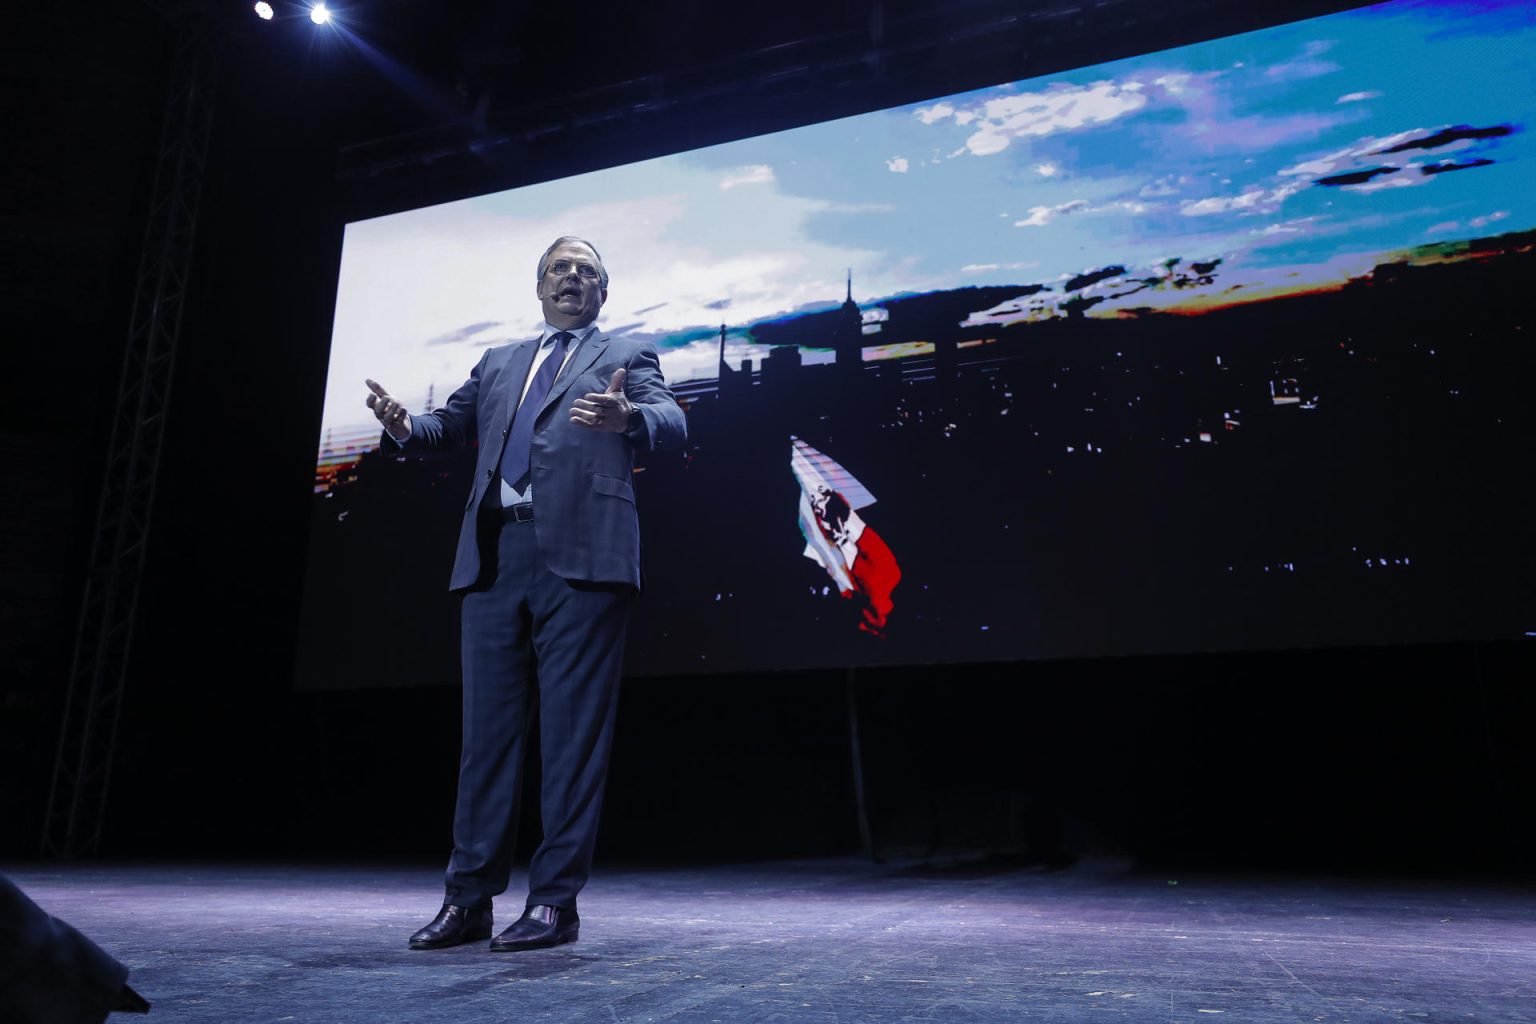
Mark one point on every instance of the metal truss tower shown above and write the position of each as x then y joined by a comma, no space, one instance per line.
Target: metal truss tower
82,771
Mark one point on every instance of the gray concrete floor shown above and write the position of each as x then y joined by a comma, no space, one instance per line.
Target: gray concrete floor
823,941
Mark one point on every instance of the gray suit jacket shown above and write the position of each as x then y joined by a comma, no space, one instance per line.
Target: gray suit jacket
582,478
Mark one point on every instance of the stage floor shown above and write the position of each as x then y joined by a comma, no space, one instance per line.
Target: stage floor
814,941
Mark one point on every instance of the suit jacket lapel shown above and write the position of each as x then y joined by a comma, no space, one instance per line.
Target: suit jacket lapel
578,364
515,376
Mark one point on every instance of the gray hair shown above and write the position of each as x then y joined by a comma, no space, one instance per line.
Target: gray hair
602,271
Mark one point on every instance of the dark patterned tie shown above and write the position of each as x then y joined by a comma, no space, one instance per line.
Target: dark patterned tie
514,457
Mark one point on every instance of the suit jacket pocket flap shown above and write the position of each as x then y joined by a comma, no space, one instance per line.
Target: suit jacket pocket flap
614,485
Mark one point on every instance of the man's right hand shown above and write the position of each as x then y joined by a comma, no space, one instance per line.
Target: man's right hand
397,422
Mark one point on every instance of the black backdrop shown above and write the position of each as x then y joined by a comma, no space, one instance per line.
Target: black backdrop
1409,756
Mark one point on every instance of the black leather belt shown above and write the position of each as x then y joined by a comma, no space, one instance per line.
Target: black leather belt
522,513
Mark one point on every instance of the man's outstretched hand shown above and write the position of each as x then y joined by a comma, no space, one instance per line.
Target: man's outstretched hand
397,422
605,410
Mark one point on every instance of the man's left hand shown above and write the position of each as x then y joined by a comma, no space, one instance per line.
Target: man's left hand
605,410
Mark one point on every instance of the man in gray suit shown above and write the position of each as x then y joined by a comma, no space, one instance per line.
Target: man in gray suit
548,563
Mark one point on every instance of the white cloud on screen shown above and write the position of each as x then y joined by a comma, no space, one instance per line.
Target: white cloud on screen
935,113
1039,216
756,174
1381,184
1000,119
1175,83
1447,226
987,268
1288,227
1367,151
1258,200
1205,98
856,207
462,274
897,165
1358,97
1306,65
1164,186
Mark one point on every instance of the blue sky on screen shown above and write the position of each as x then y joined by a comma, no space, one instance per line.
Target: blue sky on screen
1299,156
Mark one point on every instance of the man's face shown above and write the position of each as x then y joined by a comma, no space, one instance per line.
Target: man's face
570,299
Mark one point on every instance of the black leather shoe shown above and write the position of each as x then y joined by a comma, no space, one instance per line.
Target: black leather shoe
538,928
454,926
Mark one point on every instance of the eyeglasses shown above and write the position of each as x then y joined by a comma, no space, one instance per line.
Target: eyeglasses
560,268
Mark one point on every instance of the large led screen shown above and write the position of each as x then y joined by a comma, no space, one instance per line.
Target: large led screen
1222,347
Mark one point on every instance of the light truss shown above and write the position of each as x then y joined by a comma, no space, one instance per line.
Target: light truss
82,771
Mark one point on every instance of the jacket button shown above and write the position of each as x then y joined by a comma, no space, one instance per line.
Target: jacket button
506,433
489,473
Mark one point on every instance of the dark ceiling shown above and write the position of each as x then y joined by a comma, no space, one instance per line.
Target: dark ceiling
462,97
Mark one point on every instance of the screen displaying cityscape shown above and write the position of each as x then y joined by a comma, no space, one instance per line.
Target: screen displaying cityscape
1213,348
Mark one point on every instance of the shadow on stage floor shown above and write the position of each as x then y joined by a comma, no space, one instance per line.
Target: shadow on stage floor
826,940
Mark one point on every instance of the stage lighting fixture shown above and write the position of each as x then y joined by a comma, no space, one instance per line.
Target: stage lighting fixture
264,11
319,14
